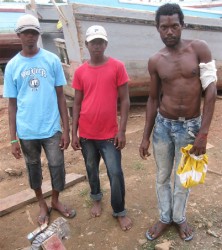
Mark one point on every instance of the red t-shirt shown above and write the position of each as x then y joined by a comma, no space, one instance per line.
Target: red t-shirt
99,84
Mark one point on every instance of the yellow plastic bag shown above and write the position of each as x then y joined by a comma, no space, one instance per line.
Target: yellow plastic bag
59,25
192,169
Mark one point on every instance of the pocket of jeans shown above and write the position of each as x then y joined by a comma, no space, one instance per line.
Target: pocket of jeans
82,140
111,140
159,125
193,128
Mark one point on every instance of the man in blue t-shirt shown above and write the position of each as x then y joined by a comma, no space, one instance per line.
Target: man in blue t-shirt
33,82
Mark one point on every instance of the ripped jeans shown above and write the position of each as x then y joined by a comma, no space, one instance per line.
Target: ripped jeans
92,151
168,137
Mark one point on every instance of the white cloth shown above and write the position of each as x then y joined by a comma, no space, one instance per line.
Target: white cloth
208,73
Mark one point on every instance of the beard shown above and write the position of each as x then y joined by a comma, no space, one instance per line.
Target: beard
171,42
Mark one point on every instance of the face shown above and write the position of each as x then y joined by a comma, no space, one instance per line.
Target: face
29,38
170,30
96,47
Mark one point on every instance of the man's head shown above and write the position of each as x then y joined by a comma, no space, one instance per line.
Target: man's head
169,23
169,9
96,41
27,22
94,32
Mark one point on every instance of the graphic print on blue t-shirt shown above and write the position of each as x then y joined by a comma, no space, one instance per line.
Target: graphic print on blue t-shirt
34,84
33,74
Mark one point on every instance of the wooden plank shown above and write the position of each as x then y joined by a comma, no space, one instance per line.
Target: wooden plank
72,35
69,103
44,12
27,196
49,27
69,91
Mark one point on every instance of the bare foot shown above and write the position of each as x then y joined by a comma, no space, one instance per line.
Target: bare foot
156,230
63,210
185,231
125,222
44,213
96,209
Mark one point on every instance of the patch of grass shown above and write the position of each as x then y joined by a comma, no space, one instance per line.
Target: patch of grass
88,202
150,245
84,192
137,165
103,190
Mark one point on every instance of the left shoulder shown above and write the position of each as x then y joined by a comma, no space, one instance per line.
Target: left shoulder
202,50
49,54
199,45
116,62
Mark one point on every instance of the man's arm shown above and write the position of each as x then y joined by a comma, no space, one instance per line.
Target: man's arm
120,138
75,118
151,108
199,146
65,140
210,94
12,109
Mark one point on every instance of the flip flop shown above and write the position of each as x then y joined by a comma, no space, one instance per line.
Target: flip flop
156,230
188,238
184,228
148,236
72,212
43,218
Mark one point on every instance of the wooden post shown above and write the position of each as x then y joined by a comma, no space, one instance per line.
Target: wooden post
33,6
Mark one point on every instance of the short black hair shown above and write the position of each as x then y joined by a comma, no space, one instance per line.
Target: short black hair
169,9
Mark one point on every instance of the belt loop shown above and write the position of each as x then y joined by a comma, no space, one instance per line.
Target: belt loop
181,119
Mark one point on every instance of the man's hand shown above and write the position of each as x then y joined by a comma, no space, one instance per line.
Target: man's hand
16,150
75,143
64,142
120,140
144,146
199,146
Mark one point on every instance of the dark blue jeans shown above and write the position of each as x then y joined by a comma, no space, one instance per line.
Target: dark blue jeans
32,153
92,151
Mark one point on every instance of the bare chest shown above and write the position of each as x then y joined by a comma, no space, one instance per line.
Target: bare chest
183,66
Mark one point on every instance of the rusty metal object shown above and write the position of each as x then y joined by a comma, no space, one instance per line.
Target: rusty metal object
10,45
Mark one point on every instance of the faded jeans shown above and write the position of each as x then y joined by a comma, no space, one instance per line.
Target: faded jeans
92,151
168,137
32,153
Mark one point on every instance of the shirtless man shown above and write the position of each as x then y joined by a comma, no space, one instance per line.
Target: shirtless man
173,113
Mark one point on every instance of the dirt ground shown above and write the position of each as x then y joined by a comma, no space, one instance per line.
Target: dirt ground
204,210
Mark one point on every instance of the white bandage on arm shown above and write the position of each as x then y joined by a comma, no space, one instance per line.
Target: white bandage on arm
208,73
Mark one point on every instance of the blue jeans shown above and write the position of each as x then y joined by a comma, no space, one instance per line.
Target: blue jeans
92,151
32,153
168,137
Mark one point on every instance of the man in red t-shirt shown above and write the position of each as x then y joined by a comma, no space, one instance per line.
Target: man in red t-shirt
98,83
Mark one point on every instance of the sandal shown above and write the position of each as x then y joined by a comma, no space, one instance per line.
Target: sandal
185,232
156,231
42,219
71,213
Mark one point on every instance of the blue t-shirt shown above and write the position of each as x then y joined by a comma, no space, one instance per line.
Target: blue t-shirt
32,81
